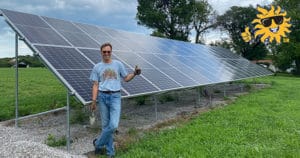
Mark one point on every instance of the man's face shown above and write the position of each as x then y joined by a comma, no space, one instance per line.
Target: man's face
106,53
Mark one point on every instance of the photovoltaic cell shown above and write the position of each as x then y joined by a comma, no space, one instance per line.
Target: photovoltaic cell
24,19
62,25
79,79
132,59
160,79
94,55
64,58
72,33
138,85
71,50
79,39
41,35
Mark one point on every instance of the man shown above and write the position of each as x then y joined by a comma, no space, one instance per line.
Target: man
106,77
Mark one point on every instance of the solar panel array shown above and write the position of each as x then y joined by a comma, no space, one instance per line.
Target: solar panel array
71,50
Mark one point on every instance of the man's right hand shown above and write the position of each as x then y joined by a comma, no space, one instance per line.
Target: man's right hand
93,105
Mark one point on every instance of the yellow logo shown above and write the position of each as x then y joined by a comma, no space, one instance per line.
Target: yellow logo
269,26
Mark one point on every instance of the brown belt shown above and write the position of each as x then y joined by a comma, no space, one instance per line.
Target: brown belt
110,92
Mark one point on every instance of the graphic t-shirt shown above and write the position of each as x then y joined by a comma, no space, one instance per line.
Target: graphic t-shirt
109,75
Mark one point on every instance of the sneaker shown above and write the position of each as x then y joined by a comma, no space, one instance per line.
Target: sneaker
94,142
100,151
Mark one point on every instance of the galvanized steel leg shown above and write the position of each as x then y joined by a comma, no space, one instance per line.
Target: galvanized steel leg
224,90
199,96
17,81
155,101
242,87
68,121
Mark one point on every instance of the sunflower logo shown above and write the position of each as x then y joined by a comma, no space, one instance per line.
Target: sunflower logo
269,26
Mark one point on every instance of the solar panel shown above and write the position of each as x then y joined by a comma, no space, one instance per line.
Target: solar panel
71,49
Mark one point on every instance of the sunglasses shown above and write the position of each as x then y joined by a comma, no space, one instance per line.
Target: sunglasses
268,21
106,52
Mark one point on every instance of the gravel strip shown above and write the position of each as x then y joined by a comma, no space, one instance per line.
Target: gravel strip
17,143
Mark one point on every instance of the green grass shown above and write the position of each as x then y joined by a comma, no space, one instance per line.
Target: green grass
39,90
265,123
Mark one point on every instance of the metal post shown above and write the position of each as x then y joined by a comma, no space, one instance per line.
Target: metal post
155,100
199,96
210,94
17,80
224,89
68,121
242,87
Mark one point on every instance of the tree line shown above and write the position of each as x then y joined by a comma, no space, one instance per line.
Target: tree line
176,19
32,61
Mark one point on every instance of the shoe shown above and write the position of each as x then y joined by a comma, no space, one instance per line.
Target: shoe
100,151
94,142
110,156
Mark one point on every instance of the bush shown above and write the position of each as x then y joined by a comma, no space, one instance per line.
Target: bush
78,116
166,98
54,142
140,100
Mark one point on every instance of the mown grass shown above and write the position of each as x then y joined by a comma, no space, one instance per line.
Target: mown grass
265,123
39,90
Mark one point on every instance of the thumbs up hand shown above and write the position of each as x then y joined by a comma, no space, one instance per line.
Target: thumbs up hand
137,70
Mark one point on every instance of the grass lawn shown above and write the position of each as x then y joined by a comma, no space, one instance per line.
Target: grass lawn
265,123
39,90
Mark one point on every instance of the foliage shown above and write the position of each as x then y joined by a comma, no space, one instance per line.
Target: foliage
54,142
32,61
168,18
234,22
166,98
286,54
203,18
222,43
260,124
39,91
4,62
79,116
141,100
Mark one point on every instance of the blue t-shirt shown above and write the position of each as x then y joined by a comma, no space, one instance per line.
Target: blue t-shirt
109,75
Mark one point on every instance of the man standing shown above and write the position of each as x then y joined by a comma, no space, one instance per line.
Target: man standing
106,77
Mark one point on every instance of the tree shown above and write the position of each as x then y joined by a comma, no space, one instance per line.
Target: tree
234,22
203,18
288,53
224,43
168,18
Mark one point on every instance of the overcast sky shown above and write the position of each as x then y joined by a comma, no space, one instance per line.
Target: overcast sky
117,14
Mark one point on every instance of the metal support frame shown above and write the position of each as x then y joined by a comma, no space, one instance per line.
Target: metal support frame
210,95
17,97
155,102
199,96
242,87
17,80
224,90
42,113
68,121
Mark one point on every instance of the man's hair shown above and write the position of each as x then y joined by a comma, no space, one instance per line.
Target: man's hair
104,45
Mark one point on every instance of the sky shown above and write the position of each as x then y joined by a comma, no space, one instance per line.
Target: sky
115,14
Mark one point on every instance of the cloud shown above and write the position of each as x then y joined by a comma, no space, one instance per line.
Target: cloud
221,6
7,42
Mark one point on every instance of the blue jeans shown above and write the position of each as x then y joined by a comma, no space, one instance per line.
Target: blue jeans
109,106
